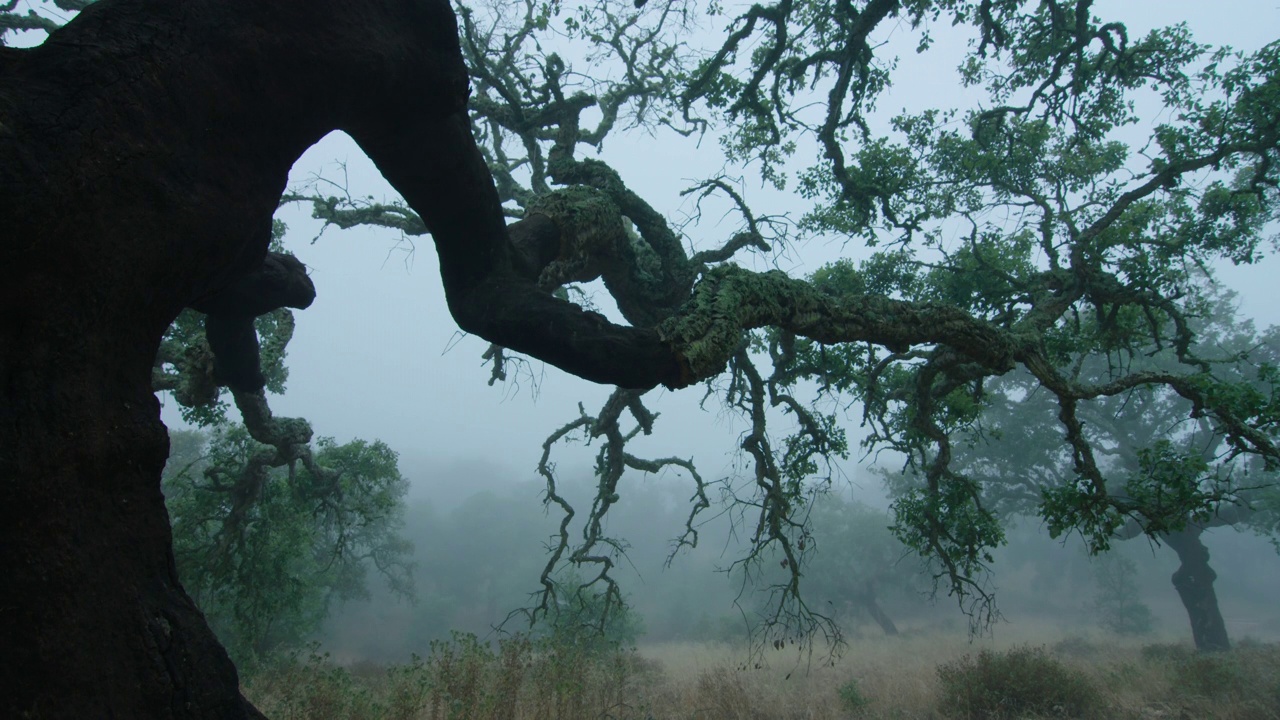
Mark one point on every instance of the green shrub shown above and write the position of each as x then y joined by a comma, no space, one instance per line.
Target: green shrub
1075,646
458,672
1022,682
408,689
1166,652
851,698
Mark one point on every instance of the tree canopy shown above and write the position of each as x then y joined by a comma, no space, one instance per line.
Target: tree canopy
1039,229
1064,225
1170,471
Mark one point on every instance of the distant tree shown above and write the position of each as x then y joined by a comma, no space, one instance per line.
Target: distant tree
1117,602
859,563
144,148
266,538
266,551
1172,472
475,563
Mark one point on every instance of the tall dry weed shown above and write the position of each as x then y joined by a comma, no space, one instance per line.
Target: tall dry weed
523,679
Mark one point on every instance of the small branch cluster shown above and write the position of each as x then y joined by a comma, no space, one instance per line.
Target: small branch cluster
597,549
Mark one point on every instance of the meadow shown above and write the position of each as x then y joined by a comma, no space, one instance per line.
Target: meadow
919,674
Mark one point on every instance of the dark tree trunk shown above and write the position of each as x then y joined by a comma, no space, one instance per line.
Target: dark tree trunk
93,621
867,601
1194,582
143,150
884,621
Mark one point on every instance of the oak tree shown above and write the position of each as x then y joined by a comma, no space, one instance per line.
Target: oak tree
145,145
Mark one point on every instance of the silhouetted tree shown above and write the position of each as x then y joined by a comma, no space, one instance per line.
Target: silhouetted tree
859,563
144,147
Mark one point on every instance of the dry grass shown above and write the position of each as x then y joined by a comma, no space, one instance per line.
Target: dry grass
877,678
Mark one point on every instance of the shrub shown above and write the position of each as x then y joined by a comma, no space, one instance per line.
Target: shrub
851,698
1241,684
458,671
1167,652
1209,675
408,689
1075,646
1021,682
312,689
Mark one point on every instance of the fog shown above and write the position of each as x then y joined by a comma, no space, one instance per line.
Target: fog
378,357
479,552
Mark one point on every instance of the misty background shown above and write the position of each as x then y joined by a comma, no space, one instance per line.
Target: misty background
378,357
478,556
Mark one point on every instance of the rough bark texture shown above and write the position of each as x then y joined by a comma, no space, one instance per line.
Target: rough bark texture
1194,582
143,150
280,281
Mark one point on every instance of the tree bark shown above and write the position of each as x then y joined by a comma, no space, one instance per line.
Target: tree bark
93,620
1194,582
143,150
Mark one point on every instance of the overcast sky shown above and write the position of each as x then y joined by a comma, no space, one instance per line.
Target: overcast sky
377,355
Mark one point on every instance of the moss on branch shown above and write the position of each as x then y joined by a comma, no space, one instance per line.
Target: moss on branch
730,299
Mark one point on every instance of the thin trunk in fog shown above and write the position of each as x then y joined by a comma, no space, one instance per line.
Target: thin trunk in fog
867,601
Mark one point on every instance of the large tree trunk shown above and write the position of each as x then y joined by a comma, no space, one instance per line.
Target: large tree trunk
1194,582
93,621
143,150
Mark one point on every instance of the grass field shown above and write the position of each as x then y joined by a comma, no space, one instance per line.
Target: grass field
935,675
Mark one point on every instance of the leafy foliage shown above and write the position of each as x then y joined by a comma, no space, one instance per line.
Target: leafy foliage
1035,229
851,698
1021,682
265,552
